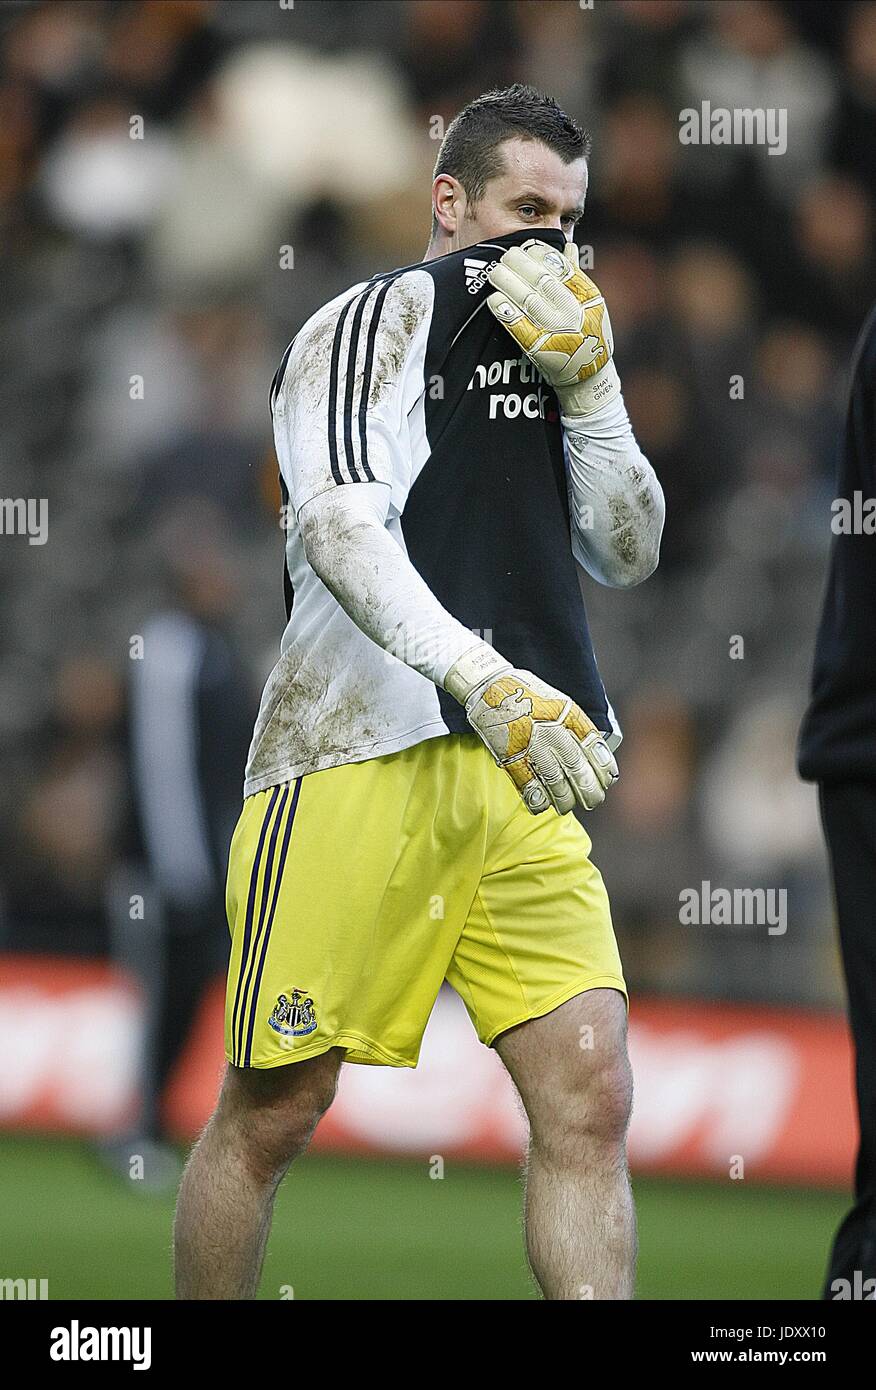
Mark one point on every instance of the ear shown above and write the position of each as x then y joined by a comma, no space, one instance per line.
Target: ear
448,203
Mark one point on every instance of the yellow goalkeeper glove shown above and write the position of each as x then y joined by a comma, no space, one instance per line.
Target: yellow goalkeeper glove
558,316
553,753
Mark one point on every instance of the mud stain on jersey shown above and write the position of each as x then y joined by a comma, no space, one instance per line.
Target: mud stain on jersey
404,309
626,528
307,379
301,726
309,371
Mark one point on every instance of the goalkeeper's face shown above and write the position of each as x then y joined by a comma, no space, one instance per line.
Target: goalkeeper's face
536,189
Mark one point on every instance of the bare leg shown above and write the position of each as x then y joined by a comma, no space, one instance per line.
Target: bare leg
572,1072
263,1120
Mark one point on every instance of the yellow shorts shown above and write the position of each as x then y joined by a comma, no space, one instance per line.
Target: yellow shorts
353,893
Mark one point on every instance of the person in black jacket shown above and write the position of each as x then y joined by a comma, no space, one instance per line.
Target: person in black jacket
189,717
838,751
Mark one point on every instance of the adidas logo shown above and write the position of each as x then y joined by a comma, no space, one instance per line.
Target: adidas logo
476,273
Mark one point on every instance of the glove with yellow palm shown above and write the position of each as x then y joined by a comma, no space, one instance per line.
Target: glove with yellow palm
558,316
553,753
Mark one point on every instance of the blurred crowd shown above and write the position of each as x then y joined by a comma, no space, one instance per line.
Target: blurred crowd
183,182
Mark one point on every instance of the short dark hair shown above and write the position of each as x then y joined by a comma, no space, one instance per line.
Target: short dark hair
469,150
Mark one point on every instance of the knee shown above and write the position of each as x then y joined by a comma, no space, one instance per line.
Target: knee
589,1113
271,1115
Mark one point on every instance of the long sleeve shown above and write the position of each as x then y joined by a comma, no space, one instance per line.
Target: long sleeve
615,499
349,547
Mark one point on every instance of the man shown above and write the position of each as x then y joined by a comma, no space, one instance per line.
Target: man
188,725
838,750
434,493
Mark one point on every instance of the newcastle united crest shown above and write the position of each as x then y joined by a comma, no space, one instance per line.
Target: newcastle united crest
294,1014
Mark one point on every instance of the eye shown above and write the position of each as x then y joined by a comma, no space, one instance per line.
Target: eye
528,210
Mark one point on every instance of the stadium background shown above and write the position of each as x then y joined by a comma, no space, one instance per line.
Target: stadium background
269,130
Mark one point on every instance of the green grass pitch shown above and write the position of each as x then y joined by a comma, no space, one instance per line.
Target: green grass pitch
374,1229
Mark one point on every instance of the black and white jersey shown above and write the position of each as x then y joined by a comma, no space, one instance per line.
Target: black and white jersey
409,383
